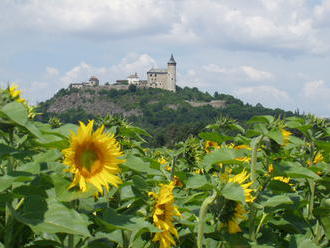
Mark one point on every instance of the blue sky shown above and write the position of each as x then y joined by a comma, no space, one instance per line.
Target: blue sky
275,52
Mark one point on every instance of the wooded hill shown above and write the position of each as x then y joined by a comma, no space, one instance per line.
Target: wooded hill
170,117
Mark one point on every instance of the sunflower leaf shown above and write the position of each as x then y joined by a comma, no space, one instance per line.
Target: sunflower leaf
16,112
51,216
233,191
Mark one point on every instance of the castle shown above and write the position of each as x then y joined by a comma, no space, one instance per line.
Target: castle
156,78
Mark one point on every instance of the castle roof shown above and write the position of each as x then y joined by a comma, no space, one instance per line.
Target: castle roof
159,71
172,61
135,75
93,78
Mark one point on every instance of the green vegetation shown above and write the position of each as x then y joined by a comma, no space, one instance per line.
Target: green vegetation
166,115
262,184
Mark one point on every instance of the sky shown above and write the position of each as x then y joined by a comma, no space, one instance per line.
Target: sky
273,52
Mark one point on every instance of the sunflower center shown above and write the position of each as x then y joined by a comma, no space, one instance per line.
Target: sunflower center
163,215
228,213
88,157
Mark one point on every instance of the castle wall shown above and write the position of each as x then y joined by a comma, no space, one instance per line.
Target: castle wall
171,77
157,80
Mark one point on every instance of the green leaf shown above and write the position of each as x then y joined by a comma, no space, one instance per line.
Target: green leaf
261,119
216,137
279,187
112,221
277,136
295,170
51,216
7,180
301,241
29,125
6,150
224,155
233,191
140,183
324,145
64,131
16,112
197,181
106,240
323,213
47,156
64,194
277,200
137,164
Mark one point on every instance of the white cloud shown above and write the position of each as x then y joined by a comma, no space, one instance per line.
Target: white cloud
130,64
280,27
265,94
52,71
314,97
255,74
90,18
134,63
242,73
317,90
276,26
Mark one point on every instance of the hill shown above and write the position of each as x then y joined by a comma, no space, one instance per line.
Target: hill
168,116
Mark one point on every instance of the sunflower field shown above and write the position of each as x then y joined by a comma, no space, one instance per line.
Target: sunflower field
98,185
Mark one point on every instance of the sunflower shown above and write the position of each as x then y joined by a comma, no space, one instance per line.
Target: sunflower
286,136
278,178
177,181
238,216
239,147
164,211
211,145
244,159
317,159
231,214
240,179
163,161
93,157
199,171
15,93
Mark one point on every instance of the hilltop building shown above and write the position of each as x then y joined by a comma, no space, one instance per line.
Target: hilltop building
163,78
156,78
93,81
133,79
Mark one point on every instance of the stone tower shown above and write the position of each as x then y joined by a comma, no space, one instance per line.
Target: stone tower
171,74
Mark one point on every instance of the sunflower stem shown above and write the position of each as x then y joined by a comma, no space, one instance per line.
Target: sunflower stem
311,198
311,185
255,143
173,168
71,241
202,214
263,218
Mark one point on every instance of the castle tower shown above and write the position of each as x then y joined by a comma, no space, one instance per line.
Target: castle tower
171,74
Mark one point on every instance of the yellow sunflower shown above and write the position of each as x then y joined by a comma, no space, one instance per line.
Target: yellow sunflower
15,93
238,216
244,159
211,145
243,147
231,215
164,211
278,178
317,159
93,157
239,147
163,161
233,212
286,136
240,179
